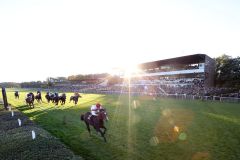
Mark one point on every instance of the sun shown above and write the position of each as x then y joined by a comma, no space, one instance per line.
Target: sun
125,71
131,70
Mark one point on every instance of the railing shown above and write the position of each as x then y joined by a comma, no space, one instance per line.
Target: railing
175,96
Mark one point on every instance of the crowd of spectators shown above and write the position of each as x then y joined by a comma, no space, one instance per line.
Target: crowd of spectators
172,68
153,87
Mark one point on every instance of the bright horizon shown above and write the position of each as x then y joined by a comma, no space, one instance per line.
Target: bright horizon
53,38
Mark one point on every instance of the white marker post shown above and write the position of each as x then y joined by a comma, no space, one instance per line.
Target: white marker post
9,108
12,113
19,122
33,135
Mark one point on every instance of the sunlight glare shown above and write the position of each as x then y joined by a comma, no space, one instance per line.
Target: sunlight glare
176,129
131,70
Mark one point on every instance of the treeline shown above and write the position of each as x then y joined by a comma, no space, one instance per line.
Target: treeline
82,77
227,73
34,84
10,85
51,82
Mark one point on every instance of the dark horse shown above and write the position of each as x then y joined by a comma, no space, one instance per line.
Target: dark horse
75,98
48,97
96,121
16,95
30,100
55,98
62,98
38,97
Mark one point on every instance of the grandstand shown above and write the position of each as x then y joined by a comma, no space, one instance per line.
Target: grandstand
192,75
179,71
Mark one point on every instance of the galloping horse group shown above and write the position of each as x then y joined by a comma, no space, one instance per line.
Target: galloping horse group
96,121
50,97
55,98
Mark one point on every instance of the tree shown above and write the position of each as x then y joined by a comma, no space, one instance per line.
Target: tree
114,80
227,71
49,82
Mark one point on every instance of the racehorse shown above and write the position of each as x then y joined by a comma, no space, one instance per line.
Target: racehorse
47,96
62,98
75,98
55,98
50,97
30,101
96,121
38,97
31,95
16,95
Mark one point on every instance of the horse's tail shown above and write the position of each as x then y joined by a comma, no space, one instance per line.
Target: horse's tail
82,117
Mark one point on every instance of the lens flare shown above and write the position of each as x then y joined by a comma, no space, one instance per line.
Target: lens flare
183,136
176,129
135,104
154,141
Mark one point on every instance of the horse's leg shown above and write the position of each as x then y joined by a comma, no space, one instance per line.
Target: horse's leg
102,134
88,128
105,129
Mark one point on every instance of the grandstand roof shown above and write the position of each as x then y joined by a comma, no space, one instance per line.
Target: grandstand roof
189,59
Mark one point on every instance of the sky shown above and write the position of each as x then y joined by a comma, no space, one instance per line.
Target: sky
52,38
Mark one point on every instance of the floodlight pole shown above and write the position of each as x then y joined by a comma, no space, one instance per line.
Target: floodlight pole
5,102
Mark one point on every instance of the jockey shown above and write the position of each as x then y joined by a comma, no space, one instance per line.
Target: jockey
76,94
95,110
55,94
38,92
30,95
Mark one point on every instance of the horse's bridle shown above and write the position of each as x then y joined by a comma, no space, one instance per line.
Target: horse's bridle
105,113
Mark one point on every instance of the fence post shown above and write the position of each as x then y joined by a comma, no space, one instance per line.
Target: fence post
4,98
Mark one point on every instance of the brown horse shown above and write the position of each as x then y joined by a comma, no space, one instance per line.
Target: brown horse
16,95
75,98
38,97
30,101
96,121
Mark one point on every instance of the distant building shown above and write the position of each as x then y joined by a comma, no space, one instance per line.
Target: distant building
187,69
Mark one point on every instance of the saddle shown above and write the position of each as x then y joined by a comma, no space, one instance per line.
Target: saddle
91,118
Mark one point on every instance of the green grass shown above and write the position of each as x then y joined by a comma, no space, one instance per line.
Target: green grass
143,128
16,142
